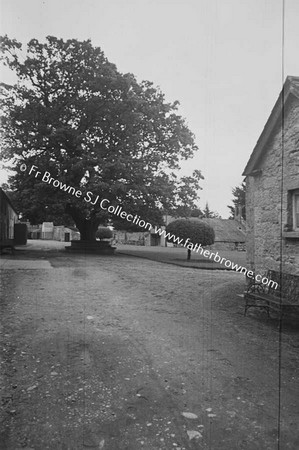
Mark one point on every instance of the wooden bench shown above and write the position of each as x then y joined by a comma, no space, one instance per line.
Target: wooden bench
7,244
282,299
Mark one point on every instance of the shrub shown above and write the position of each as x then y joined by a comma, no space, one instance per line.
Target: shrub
197,231
104,233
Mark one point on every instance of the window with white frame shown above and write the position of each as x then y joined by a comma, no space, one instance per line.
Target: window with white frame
295,209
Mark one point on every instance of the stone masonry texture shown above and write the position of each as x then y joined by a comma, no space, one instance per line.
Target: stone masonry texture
267,198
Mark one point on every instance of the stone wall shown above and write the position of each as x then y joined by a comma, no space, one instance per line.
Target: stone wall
231,246
267,199
60,231
131,237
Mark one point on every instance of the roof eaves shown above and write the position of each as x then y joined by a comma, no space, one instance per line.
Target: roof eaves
291,86
8,200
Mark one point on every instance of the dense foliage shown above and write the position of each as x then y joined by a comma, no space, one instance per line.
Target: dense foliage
104,233
73,114
209,214
239,202
196,230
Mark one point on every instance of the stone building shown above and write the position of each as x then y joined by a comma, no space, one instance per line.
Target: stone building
49,231
272,188
8,218
230,234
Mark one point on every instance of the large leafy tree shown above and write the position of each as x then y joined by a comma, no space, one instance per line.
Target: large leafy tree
239,203
72,113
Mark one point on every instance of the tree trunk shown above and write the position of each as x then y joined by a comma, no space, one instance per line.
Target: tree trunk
87,227
188,254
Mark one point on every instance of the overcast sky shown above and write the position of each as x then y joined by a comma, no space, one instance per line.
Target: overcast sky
222,59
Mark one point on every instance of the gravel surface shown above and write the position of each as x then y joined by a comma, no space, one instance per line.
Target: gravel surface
126,353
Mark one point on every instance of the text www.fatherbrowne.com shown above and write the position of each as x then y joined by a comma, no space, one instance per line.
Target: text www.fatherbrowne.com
216,257
197,248
89,197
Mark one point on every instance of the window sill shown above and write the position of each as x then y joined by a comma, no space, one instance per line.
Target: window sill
291,234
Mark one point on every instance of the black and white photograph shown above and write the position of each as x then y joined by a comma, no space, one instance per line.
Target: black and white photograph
149,227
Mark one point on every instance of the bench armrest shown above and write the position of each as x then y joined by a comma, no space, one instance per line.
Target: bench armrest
256,288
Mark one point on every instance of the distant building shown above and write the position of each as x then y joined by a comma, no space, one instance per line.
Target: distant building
34,231
49,231
230,234
272,188
8,218
66,234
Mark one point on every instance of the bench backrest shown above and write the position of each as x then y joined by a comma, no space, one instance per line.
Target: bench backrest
288,285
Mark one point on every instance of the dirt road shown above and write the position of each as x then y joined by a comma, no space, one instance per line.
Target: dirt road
125,353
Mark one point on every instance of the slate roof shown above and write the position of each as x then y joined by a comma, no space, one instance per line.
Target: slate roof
289,90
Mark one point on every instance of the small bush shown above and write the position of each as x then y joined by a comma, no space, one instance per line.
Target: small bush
104,233
197,231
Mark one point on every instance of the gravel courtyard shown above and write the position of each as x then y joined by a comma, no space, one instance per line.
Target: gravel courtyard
127,353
